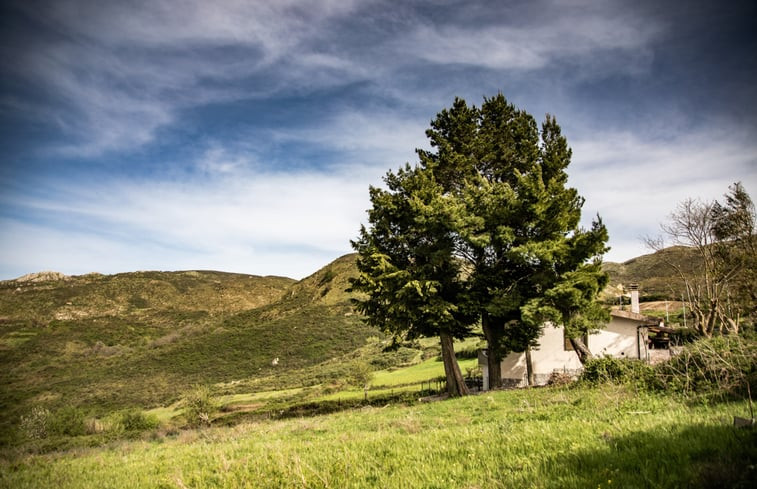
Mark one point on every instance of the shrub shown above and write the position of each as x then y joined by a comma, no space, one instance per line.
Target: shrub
720,366
401,356
468,352
67,421
360,375
619,371
134,420
199,406
34,424
559,378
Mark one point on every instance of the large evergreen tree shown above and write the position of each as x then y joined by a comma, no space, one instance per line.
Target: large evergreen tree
485,226
519,232
411,282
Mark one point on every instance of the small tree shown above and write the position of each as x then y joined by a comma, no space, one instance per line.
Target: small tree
199,406
722,287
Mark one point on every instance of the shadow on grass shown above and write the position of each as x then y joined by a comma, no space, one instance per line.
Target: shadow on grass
707,457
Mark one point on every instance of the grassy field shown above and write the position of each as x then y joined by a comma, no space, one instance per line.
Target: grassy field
548,438
429,369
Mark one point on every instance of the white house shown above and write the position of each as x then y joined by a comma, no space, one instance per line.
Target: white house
626,336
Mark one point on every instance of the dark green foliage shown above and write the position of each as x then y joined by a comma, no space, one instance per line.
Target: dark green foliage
67,421
133,420
516,224
408,273
470,352
485,226
395,357
716,368
410,281
604,369
734,228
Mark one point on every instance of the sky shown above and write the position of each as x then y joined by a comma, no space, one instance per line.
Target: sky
243,136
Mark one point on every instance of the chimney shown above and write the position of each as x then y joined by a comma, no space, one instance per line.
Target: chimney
635,298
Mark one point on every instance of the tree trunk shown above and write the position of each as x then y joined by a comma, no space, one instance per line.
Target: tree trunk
493,334
455,384
529,368
584,354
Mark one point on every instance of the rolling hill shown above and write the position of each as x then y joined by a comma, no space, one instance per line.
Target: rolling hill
653,272
143,339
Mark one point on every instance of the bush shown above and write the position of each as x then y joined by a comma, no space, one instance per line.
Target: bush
199,407
34,424
360,375
68,421
399,357
469,352
134,420
619,371
722,366
559,379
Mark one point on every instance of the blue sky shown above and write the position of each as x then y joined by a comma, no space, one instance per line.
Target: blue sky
243,135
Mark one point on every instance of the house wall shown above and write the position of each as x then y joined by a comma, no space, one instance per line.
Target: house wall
548,357
618,339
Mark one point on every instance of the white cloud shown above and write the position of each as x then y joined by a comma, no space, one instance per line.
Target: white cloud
256,223
560,33
125,69
122,71
635,183
365,140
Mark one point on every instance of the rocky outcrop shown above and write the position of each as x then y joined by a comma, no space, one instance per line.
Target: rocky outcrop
46,276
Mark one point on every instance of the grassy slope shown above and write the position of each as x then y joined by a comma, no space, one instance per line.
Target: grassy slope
653,272
549,438
140,340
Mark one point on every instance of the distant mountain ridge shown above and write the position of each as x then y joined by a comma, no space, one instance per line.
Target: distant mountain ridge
46,276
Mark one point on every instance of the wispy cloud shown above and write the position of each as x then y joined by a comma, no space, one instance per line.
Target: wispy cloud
243,135
634,183
520,40
122,71
259,219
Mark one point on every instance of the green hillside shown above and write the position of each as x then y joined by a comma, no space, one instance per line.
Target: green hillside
101,343
143,340
656,277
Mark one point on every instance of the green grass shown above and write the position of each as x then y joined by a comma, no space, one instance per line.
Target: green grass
543,438
426,370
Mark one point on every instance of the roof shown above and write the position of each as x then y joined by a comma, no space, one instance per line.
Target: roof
635,316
